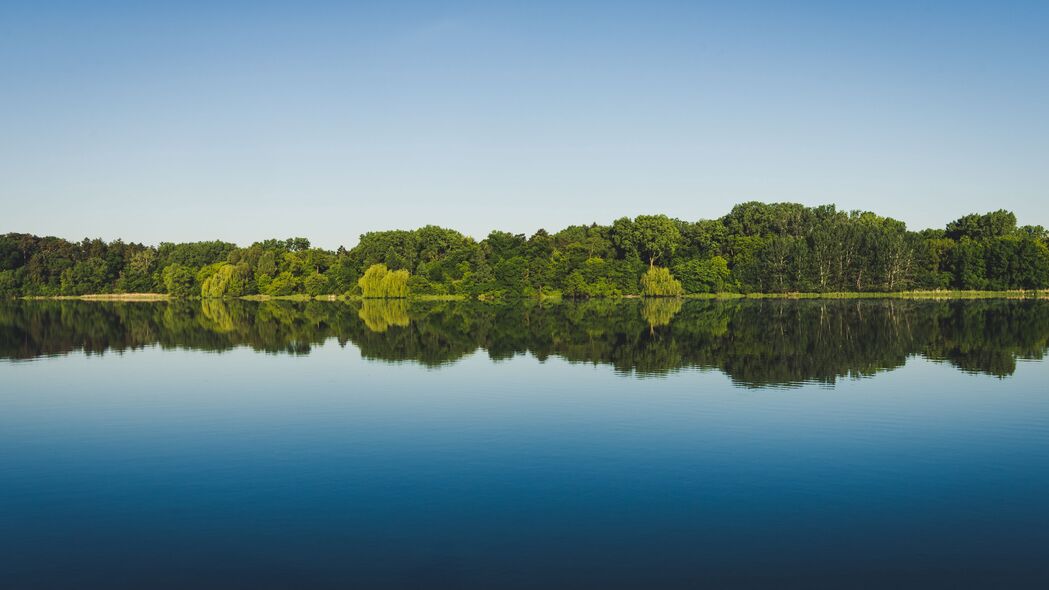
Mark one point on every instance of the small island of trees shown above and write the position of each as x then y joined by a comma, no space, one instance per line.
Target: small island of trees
755,248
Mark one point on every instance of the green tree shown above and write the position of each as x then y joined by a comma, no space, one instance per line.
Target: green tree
379,282
658,282
316,284
228,280
9,286
967,262
137,275
653,237
282,285
179,280
995,224
86,276
703,276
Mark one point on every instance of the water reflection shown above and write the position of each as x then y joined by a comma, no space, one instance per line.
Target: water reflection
659,312
379,315
756,343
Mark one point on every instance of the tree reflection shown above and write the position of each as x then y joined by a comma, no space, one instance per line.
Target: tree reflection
659,311
380,314
756,343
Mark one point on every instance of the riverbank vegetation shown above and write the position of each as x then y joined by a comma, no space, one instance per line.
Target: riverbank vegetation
781,248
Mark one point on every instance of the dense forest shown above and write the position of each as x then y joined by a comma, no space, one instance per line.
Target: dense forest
755,342
757,247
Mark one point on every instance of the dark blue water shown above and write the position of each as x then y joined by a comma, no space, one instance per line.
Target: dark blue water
178,467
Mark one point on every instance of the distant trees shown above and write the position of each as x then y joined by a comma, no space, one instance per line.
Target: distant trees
756,247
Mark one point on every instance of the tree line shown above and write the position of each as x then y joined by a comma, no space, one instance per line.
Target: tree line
756,247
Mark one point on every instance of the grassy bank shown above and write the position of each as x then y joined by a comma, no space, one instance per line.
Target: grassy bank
1030,294
104,297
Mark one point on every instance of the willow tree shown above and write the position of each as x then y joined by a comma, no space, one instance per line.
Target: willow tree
395,284
658,282
379,282
228,280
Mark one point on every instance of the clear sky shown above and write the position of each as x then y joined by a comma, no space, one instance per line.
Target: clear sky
248,120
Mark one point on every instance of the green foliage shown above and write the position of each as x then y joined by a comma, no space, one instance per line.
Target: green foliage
179,280
755,248
267,263
576,286
8,284
652,237
703,276
371,282
283,284
968,264
395,284
379,282
86,276
316,284
658,282
996,224
226,280
420,285
137,274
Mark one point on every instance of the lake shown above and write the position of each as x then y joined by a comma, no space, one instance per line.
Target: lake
720,443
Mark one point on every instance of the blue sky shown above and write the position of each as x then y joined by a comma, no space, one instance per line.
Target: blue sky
248,120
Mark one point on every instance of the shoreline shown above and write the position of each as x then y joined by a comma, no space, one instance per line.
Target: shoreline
100,297
154,297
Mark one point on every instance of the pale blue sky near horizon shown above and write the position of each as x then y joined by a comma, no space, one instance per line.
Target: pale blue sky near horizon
248,120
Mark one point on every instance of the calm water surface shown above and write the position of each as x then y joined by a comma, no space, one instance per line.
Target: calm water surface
333,445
